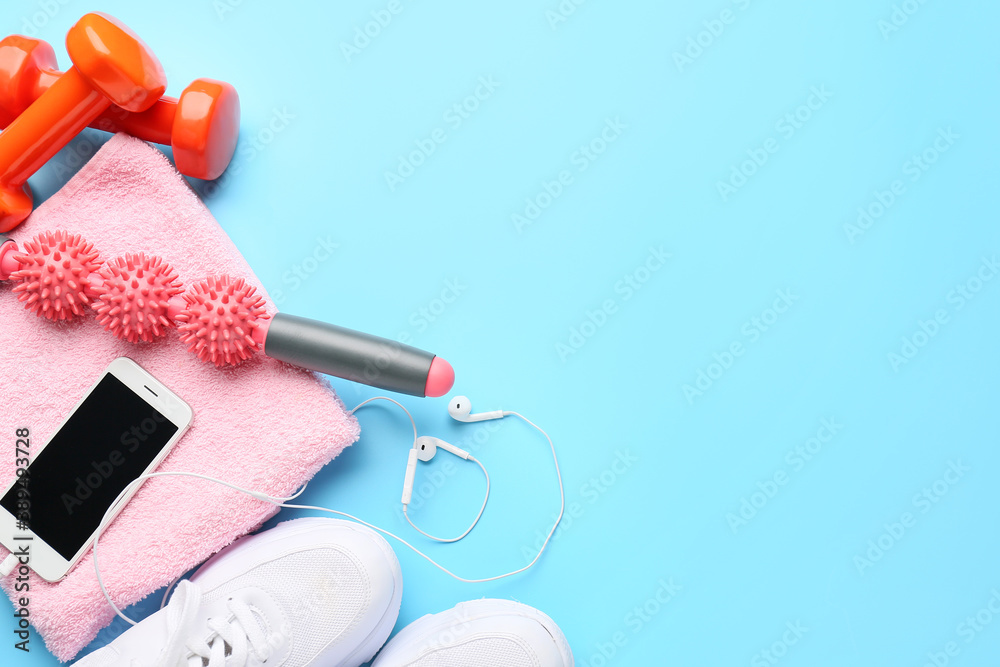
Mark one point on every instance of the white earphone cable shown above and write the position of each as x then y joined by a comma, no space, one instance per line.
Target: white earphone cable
469,529
406,513
391,400
283,502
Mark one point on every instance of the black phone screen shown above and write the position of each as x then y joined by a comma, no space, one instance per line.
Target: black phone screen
109,441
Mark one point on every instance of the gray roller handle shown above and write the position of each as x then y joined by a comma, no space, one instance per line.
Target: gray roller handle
348,354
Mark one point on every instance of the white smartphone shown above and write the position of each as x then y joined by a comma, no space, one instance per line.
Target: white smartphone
121,429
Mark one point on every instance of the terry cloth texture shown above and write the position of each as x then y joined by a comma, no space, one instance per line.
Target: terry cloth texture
262,425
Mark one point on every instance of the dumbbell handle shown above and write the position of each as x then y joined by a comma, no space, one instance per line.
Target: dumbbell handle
154,125
72,102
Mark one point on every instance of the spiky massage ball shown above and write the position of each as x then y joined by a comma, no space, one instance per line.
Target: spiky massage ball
132,302
218,320
55,275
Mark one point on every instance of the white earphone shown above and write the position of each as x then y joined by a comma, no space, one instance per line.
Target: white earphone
427,447
424,448
460,408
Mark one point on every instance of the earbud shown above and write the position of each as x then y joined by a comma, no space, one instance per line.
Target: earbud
427,447
424,451
460,408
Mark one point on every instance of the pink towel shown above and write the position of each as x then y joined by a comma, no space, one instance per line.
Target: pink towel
263,425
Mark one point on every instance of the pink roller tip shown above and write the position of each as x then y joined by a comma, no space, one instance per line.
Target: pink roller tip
440,378
8,264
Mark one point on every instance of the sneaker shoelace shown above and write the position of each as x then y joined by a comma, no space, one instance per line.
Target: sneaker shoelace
233,638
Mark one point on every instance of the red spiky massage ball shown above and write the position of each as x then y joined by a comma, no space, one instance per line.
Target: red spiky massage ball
55,278
132,302
218,320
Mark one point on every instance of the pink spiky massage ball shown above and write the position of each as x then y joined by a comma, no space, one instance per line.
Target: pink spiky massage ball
132,302
55,278
219,318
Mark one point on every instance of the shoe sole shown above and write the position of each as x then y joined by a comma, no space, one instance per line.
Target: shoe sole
437,624
380,634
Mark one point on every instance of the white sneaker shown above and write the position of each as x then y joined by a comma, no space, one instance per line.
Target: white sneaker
310,592
481,633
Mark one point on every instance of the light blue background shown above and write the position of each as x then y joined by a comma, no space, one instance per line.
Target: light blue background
664,517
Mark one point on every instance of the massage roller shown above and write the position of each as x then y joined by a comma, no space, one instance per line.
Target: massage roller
222,319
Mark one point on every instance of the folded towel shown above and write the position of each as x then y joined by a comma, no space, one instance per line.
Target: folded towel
263,425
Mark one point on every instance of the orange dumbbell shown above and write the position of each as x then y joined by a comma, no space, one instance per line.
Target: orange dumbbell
111,65
201,126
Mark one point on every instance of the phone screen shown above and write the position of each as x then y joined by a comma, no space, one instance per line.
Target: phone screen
109,441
